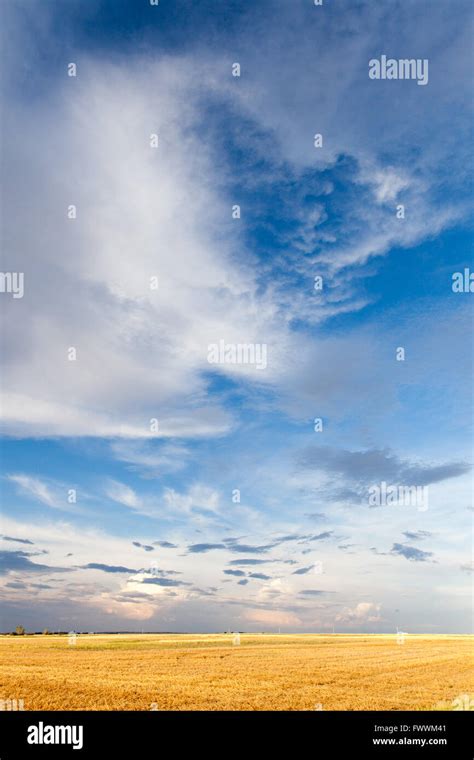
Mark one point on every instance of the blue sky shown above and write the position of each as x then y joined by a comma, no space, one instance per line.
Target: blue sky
235,513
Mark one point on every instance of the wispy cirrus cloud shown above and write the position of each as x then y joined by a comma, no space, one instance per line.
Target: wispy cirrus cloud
151,458
47,493
123,494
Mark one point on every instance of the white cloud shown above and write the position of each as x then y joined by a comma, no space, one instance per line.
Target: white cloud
272,618
128,610
142,353
123,494
149,460
197,496
51,494
363,612
30,416
388,183
141,213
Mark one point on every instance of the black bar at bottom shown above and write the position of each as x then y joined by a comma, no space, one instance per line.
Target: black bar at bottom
219,734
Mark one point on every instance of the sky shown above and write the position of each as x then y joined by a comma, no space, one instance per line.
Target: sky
233,337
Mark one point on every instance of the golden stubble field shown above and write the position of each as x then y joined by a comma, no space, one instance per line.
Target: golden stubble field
209,672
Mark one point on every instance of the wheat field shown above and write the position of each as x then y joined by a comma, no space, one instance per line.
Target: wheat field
210,672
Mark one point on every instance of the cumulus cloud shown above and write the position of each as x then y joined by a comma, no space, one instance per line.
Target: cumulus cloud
272,618
363,612
124,608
